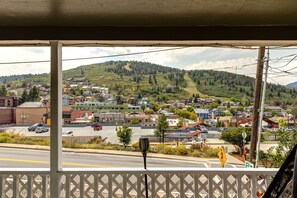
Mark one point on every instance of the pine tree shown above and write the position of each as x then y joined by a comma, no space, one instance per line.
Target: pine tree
3,91
25,96
155,79
161,127
150,80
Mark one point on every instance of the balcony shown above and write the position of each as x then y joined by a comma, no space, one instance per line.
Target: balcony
59,182
113,183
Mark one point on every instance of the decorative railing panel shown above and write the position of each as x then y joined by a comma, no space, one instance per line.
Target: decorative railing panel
24,183
122,183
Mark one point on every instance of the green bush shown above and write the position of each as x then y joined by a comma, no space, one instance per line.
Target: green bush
134,121
159,148
169,150
97,140
211,152
196,146
181,150
5,139
135,146
197,153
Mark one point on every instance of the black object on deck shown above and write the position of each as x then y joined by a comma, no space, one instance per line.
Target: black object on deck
286,173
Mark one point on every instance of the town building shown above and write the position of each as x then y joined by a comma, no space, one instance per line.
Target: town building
8,106
31,112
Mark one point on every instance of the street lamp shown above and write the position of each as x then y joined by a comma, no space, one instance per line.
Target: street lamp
144,145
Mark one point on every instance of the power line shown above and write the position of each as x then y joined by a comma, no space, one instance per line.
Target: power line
287,62
282,58
94,57
273,80
231,67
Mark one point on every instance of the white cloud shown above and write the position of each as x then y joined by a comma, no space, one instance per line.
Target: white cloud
224,59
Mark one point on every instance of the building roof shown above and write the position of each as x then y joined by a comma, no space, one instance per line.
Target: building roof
201,111
31,105
141,20
194,134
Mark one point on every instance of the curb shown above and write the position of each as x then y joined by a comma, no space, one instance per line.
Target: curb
111,152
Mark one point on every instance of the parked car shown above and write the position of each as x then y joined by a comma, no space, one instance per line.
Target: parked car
2,129
67,133
41,129
97,127
34,126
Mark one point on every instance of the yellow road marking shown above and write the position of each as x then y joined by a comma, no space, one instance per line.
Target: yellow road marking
64,163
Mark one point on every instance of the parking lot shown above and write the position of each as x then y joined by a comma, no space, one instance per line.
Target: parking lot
108,132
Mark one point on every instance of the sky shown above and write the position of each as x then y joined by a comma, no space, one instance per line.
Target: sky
282,61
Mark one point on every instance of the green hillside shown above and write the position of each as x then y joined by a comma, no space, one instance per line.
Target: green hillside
225,84
132,78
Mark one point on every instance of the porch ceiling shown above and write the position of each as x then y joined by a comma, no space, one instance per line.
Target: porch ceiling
148,20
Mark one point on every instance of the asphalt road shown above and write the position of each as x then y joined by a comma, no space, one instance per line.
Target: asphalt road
27,158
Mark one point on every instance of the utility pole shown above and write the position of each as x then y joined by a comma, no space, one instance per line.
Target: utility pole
257,95
262,108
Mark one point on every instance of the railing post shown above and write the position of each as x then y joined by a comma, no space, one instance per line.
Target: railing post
45,193
2,185
56,118
16,182
30,186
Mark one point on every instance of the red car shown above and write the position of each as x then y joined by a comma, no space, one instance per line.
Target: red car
97,127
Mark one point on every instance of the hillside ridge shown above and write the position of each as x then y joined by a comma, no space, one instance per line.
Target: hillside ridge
134,78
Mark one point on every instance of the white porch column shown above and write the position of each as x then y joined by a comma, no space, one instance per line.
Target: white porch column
56,117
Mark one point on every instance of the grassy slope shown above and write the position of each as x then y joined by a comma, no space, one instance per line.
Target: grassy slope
191,87
98,76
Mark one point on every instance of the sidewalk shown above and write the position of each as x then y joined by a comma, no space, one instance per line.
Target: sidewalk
230,159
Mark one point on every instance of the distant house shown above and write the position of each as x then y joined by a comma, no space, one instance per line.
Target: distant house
246,115
31,112
69,79
166,113
144,101
172,122
202,113
79,79
207,100
66,90
132,101
142,118
133,107
8,106
274,108
114,117
66,115
215,112
272,122
86,87
90,104
104,90
227,120
73,85
198,104
81,116
65,100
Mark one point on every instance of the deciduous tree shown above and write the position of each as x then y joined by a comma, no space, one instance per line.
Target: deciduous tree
124,134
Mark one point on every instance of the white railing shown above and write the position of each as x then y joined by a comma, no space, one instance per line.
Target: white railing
128,183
